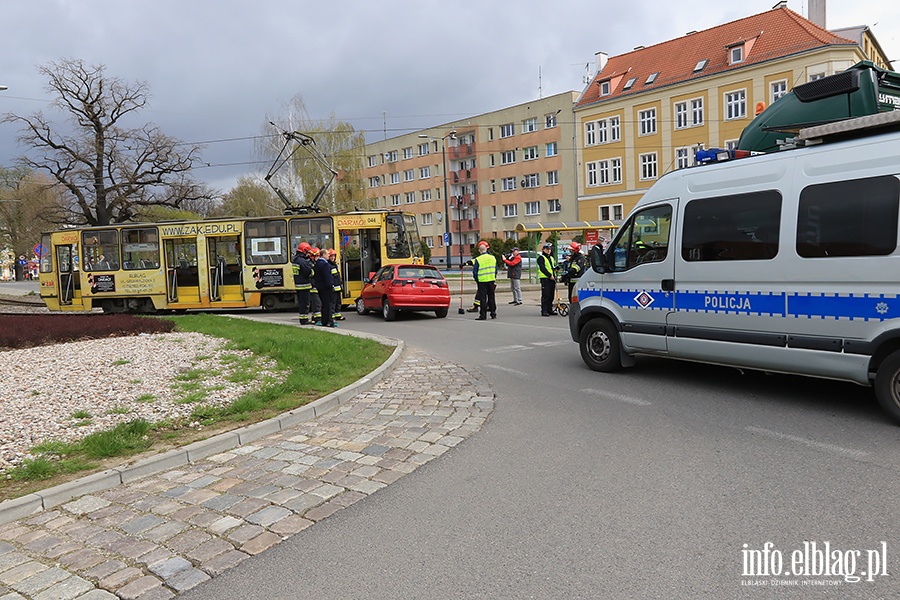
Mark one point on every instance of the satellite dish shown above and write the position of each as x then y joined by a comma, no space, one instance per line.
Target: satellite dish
440,217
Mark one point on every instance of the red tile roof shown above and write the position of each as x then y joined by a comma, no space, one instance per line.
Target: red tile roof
773,34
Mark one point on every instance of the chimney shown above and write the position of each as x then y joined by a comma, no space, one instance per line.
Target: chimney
600,59
816,9
782,4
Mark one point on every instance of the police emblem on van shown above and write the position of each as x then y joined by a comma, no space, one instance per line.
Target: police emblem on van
644,299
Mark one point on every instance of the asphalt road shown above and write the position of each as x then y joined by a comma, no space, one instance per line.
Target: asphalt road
658,482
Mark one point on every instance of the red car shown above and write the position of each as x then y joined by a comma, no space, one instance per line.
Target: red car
405,288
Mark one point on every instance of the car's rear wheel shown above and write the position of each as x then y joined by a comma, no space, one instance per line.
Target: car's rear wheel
389,313
887,385
361,308
441,313
599,344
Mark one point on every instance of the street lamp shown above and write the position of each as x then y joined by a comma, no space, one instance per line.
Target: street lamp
460,205
452,136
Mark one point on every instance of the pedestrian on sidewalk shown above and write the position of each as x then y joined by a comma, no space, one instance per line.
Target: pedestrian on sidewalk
484,270
513,264
547,275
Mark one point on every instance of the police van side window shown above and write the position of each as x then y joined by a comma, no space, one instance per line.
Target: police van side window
849,218
644,239
737,227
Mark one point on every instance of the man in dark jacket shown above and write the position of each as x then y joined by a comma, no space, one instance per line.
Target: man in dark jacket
302,269
324,283
513,264
572,267
546,266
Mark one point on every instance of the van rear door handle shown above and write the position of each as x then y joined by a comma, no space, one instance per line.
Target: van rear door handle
668,285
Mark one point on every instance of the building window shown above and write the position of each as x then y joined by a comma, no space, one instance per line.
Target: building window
532,209
553,206
649,166
731,144
551,149
509,184
407,153
494,212
550,121
423,149
647,121
552,177
682,158
530,153
615,130
374,181
651,78
777,89
409,175
611,212
390,156
529,125
737,54
429,241
507,130
395,177
508,157
424,172
604,88
590,137
697,112
701,65
815,76
736,105
410,197
395,199
602,132
373,161
493,186
426,218
426,195
510,210
603,172
591,174
629,84
531,180
615,168
681,115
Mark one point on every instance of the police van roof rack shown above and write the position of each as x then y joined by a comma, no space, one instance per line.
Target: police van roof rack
847,129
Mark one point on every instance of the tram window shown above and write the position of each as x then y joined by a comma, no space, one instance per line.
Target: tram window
140,248
395,239
265,242
100,250
316,231
46,255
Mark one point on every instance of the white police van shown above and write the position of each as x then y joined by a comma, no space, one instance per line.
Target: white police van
785,262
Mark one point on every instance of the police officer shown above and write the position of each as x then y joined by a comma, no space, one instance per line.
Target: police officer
546,266
302,270
484,270
572,267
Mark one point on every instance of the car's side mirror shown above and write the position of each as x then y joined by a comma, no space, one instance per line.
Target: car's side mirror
598,259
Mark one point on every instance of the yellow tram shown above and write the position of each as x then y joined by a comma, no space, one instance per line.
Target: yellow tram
217,263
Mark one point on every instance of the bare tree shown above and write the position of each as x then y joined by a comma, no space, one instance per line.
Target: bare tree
29,205
301,178
111,172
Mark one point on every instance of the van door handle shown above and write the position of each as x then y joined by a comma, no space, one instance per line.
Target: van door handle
668,285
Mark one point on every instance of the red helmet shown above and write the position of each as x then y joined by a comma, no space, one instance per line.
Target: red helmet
332,252
483,243
303,247
575,247
313,251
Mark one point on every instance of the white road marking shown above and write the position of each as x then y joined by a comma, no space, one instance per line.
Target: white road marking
849,452
616,397
507,370
553,343
502,349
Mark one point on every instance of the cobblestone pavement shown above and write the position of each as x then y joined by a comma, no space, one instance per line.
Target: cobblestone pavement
171,531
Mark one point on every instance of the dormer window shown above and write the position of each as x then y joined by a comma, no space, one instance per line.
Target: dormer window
701,65
605,88
651,78
629,83
736,54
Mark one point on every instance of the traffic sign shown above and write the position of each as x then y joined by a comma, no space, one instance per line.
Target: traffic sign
446,238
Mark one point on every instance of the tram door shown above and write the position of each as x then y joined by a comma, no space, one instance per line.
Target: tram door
182,275
68,282
224,263
360,257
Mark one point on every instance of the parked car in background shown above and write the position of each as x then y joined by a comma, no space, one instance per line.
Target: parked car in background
405,288
529,259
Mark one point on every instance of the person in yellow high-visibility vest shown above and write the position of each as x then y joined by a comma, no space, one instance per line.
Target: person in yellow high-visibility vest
484,270
547,275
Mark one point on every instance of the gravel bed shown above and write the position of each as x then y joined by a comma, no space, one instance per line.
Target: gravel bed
66,391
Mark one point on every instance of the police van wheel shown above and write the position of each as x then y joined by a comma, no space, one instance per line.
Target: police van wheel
887,385
360,307
599,343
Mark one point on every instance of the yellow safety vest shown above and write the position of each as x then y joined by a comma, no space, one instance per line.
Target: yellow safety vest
486,267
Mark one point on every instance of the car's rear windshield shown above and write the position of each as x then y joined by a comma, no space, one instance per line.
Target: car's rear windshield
417,273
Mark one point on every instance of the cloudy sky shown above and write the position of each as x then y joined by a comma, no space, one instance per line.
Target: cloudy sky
216,68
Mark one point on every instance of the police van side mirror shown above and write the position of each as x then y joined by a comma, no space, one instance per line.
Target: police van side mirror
598,259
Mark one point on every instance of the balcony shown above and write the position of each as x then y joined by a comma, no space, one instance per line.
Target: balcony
462,150
465,175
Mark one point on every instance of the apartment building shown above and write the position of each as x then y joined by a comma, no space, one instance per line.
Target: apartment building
488,173
646,112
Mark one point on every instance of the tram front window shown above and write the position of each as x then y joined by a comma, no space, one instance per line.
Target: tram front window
396,241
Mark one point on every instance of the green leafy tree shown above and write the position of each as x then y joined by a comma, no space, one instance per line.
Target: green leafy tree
301,178
425,252
111,172
29,205
249,198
